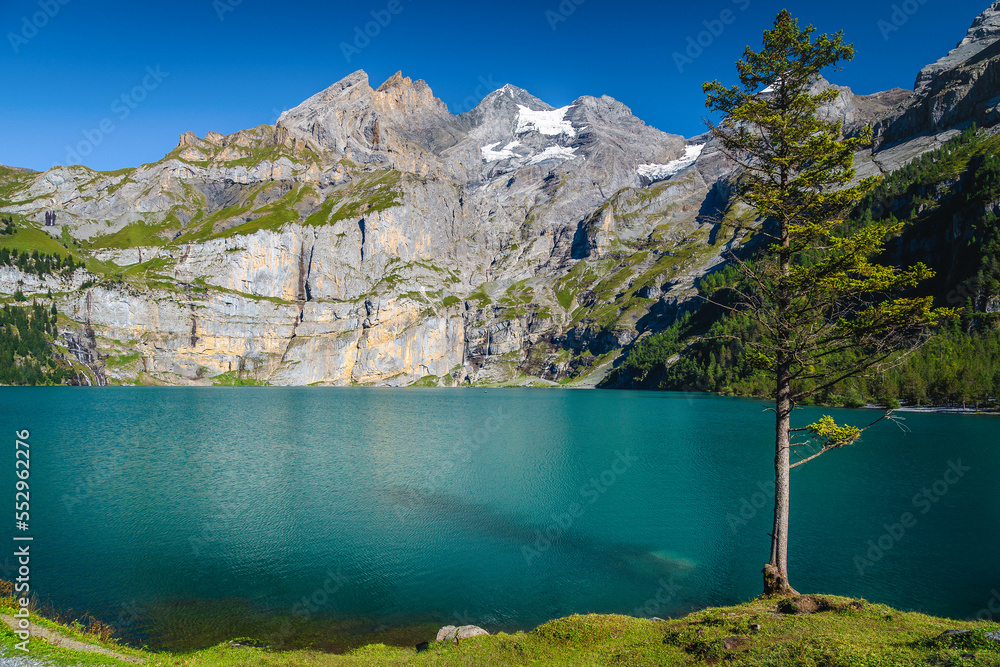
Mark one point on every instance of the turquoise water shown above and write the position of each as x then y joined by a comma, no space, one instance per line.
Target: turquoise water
503,508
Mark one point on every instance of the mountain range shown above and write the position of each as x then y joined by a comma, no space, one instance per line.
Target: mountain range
371,237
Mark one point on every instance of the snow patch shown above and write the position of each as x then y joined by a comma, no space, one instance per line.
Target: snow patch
490,154
773,88
658,172
554,153
551,123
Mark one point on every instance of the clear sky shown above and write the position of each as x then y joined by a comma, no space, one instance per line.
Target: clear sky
124,79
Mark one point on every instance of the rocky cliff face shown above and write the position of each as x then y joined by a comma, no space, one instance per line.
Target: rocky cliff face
960,88
372,237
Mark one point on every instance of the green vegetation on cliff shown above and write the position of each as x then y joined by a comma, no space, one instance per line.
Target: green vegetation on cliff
26,356
40,264
949,199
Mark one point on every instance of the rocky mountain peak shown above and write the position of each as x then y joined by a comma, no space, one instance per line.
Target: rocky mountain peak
505,103
394,81
349,89
984,33
603,109
401,124
401,94
958,89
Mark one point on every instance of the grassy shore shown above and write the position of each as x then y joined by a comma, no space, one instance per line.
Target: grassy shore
811,630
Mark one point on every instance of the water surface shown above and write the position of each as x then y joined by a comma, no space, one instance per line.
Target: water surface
503,508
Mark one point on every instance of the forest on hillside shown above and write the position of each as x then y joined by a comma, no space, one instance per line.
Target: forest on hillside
26,355
949,199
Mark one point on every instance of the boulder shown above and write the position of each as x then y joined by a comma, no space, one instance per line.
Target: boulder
450,632
948,634
470,631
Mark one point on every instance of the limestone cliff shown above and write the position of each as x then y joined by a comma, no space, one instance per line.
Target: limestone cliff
372,237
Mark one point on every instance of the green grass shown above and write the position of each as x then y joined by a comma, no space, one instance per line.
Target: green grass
427,381
274,220
322,216
565,298
235,379
11,181
122,359
137,235
376,192
481,298
373,193
28,238
816,631
204,229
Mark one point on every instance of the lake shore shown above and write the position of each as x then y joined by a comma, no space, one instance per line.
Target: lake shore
936,410
811,629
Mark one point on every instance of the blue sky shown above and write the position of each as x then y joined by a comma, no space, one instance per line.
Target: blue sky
226,65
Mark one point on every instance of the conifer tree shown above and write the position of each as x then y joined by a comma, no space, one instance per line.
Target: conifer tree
816,289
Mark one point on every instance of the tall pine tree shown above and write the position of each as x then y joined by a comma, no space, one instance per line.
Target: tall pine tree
816,291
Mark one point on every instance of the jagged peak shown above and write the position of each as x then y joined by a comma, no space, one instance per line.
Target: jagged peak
397,80
508,99
985,26
353,81
604,102
984,33
189,138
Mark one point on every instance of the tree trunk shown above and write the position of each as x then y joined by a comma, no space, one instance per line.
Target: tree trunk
776,571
